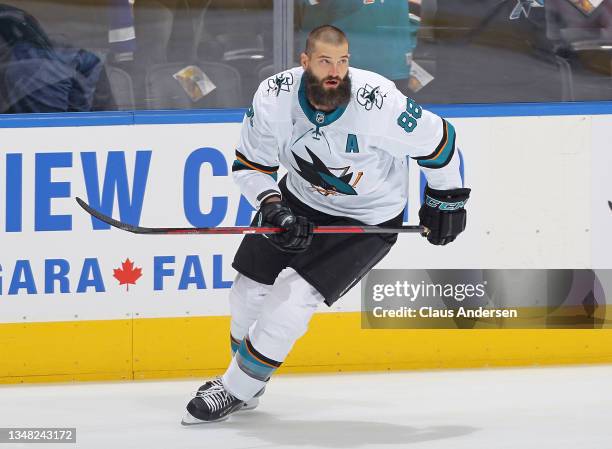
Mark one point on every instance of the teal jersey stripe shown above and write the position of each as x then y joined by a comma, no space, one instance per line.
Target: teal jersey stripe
237,165
246,161
442,156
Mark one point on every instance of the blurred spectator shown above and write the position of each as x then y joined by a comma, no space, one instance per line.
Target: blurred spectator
38,76
382,34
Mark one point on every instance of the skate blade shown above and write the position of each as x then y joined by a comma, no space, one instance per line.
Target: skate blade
189,420
250,405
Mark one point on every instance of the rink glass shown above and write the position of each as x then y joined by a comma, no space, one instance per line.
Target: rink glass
99,55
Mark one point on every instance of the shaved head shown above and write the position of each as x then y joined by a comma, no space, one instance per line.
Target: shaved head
326,63
327,34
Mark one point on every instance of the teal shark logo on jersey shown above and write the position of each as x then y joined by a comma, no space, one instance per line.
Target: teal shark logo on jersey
321,177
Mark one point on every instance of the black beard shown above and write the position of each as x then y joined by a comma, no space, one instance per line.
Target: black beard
327,98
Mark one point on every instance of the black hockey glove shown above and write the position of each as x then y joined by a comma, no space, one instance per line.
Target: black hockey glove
299,230
443,214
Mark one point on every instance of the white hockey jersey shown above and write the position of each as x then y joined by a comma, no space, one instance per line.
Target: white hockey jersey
350,162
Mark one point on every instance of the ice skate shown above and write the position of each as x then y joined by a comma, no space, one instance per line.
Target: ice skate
248,405
214,404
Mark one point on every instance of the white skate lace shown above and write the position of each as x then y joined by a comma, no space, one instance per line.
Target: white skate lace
214,382
216,398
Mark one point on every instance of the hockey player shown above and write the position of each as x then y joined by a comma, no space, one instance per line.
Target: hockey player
343,135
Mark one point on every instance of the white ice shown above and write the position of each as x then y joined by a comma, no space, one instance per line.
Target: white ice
543,408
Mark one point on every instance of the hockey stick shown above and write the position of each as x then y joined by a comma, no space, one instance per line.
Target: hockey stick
364,229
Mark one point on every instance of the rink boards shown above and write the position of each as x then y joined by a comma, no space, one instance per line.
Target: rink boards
73,305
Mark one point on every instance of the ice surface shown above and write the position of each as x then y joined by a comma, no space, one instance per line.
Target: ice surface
541,408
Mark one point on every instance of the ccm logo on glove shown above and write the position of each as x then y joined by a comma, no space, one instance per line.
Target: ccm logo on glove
443,214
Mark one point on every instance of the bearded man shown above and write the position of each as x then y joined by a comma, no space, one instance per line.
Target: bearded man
343,136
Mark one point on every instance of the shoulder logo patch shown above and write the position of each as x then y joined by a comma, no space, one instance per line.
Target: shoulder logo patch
368,97
280,83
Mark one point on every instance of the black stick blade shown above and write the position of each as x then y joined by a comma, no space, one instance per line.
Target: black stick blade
106,219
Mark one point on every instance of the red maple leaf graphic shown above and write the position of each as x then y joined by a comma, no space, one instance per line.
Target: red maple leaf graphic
127,274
